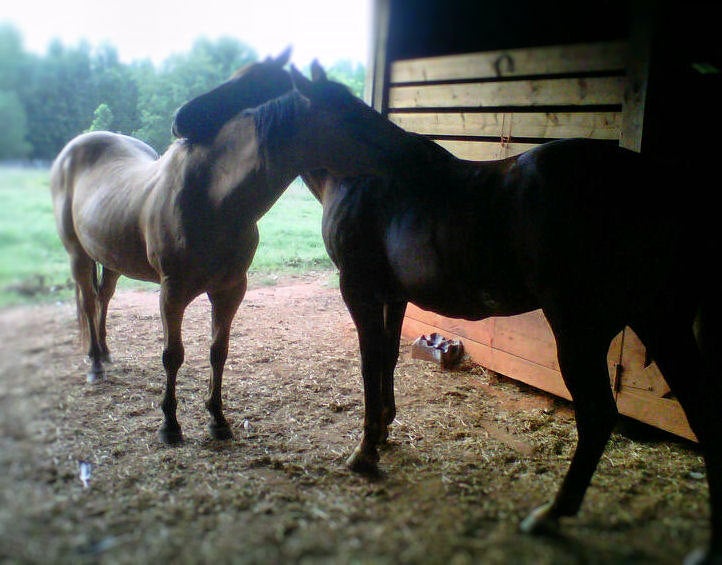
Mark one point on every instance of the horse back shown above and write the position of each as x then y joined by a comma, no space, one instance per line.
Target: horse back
89,151
615,230
99,182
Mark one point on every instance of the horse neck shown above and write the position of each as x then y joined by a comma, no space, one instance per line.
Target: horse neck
229,179
291,144
395,152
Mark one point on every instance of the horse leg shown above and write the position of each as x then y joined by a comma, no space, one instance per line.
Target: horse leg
83,270
694,380
583,362
369,320
106,289
224,307
393,320
172,308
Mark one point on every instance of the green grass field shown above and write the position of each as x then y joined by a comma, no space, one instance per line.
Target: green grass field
34,265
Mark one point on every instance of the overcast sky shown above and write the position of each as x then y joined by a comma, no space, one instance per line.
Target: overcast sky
153,29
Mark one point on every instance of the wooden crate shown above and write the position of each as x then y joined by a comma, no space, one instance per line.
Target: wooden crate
492,105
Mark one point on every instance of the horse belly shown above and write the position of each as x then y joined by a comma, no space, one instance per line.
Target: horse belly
115,242
452,277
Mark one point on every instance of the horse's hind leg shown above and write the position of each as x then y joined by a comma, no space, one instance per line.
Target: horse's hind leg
83,270
393,320
224,307
583,361
695,381
106,289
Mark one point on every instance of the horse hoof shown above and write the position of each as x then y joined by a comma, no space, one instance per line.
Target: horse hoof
95,376
220,432
170,436
363,462
540,522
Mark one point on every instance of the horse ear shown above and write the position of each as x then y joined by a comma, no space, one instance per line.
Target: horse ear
283,57
300,82
317,72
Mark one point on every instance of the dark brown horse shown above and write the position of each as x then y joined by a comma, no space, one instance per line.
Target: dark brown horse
590,233
177,220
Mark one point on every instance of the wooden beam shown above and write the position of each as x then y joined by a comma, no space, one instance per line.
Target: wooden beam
635,91
543,92
587,57
595,125
377,73
483,150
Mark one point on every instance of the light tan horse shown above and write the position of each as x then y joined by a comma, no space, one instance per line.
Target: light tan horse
177,220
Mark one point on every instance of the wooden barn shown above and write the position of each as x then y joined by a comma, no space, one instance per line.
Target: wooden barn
490,79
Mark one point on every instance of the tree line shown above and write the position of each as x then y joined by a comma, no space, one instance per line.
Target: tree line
47,100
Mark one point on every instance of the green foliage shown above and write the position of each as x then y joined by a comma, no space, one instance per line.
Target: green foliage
180,78
46,101
31,255
291,234
351,74
13,142
102,118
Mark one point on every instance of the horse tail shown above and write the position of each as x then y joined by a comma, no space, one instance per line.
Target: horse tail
80,315
80,312
62,175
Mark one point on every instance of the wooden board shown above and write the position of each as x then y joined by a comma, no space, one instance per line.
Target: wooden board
662,413
541,92
483,150
584,58
597,125
639,372
523,348
480,343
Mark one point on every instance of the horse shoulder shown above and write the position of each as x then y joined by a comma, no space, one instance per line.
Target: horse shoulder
235,155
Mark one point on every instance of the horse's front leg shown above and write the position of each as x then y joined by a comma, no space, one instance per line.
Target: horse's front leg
369,320
393,320
583,362
224,307
172,308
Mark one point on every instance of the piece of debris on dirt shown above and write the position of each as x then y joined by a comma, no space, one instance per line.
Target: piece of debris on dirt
438,349
84,472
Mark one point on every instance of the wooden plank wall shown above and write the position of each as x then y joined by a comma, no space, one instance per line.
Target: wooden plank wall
495,104
492,105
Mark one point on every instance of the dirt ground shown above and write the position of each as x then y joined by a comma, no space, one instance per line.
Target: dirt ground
469,455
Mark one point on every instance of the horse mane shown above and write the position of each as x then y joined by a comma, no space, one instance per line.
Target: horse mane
276,117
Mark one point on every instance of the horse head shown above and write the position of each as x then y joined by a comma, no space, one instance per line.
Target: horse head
200,119
350,137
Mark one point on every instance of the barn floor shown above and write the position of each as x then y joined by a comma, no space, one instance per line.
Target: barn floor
469,454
